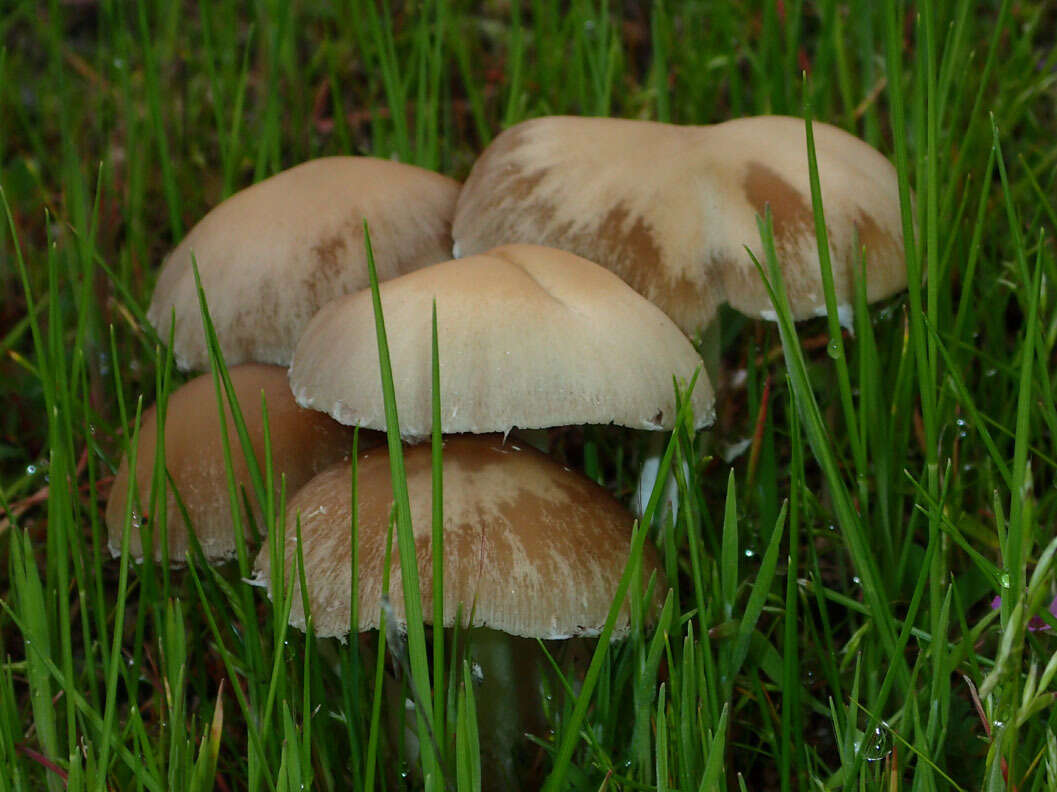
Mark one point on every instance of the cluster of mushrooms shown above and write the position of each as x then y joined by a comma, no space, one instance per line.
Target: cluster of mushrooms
585,251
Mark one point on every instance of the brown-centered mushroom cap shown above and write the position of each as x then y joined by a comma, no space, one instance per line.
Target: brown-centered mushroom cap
530,547
860,196
528,336
303,442
670,209
271,255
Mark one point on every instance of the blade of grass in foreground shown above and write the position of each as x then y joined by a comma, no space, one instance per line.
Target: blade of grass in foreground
438,540
818,438
416,634
791,714
836,339
135,763
352,668
30,602
262,489
570,732
467,741
379,669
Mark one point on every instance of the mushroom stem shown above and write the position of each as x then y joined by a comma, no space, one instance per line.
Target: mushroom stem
711,348
508,701
506,670
648,479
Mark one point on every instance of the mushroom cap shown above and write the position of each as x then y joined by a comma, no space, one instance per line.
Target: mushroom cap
530,547
303,442
271,255
860,197
671,209
528,336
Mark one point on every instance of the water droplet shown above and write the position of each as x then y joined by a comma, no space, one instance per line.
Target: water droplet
1003,580
749,552
833,348
31,470
877,745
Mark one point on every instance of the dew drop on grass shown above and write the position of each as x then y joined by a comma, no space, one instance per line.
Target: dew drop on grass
877,745
833,348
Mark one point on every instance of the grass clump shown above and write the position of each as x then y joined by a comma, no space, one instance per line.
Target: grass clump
831,621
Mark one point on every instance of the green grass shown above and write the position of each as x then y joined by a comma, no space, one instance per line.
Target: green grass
830,623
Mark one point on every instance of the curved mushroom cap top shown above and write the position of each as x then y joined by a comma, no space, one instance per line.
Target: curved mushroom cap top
530,547
528,337
271,255
303,442
860,197
670,209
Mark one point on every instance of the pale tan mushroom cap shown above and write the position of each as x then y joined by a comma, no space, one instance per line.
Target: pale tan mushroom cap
303,442
528,336
271,255
530,547
860,196
670,209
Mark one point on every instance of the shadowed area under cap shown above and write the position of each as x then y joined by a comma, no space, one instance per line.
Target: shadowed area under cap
530,547
271,255
529,337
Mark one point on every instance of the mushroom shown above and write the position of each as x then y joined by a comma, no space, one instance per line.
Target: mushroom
271,255
531,549
303,442
671,209
529,337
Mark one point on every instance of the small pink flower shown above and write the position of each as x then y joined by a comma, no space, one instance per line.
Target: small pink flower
1035,623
